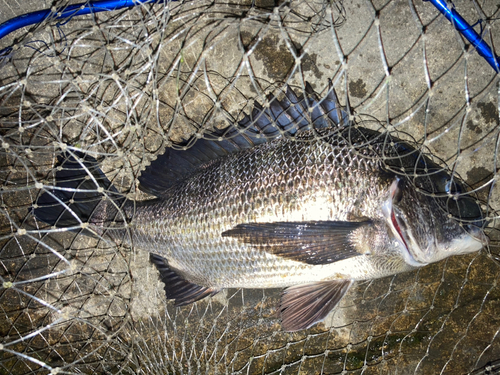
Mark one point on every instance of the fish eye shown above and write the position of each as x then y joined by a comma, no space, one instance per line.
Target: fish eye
442,182
464,208
452,187
447,187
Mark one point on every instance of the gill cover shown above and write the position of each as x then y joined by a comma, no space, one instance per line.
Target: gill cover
426,229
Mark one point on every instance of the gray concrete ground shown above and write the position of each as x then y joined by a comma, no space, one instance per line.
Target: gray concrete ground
127,84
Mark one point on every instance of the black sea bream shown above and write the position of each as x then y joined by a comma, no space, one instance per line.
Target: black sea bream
293,196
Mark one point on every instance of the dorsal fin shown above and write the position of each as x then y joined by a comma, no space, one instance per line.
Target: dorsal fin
294,113
281,117
175,165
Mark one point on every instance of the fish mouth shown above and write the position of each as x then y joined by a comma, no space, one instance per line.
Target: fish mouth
397,225
478,234
401,236
398,229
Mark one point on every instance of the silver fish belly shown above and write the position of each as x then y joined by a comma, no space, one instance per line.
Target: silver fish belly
292,197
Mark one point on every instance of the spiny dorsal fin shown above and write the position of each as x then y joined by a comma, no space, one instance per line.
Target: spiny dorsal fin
304,305
178,288
282,117
311,242
294,113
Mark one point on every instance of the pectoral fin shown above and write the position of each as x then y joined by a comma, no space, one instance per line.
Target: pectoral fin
311,242
304,305
178,288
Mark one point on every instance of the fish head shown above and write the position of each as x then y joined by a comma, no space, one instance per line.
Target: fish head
431,224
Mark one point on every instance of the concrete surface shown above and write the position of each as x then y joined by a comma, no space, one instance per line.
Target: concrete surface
127,85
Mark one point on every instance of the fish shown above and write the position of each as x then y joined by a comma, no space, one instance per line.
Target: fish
296,195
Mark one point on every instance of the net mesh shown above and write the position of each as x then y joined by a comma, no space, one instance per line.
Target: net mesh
124,85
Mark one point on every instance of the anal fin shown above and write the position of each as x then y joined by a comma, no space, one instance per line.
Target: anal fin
304,305
178,288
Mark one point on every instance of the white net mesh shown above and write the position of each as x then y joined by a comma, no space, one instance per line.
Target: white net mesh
124,85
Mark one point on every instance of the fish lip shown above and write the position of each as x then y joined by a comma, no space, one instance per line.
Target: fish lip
478,234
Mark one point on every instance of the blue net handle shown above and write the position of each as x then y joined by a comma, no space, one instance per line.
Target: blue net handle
68,12
468,32
108,5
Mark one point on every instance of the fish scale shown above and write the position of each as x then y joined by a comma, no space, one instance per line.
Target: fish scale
191,238
279,200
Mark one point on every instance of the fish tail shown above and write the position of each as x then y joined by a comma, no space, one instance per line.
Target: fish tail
81,198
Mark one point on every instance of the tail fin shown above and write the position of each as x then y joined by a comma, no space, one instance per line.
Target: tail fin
82,194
